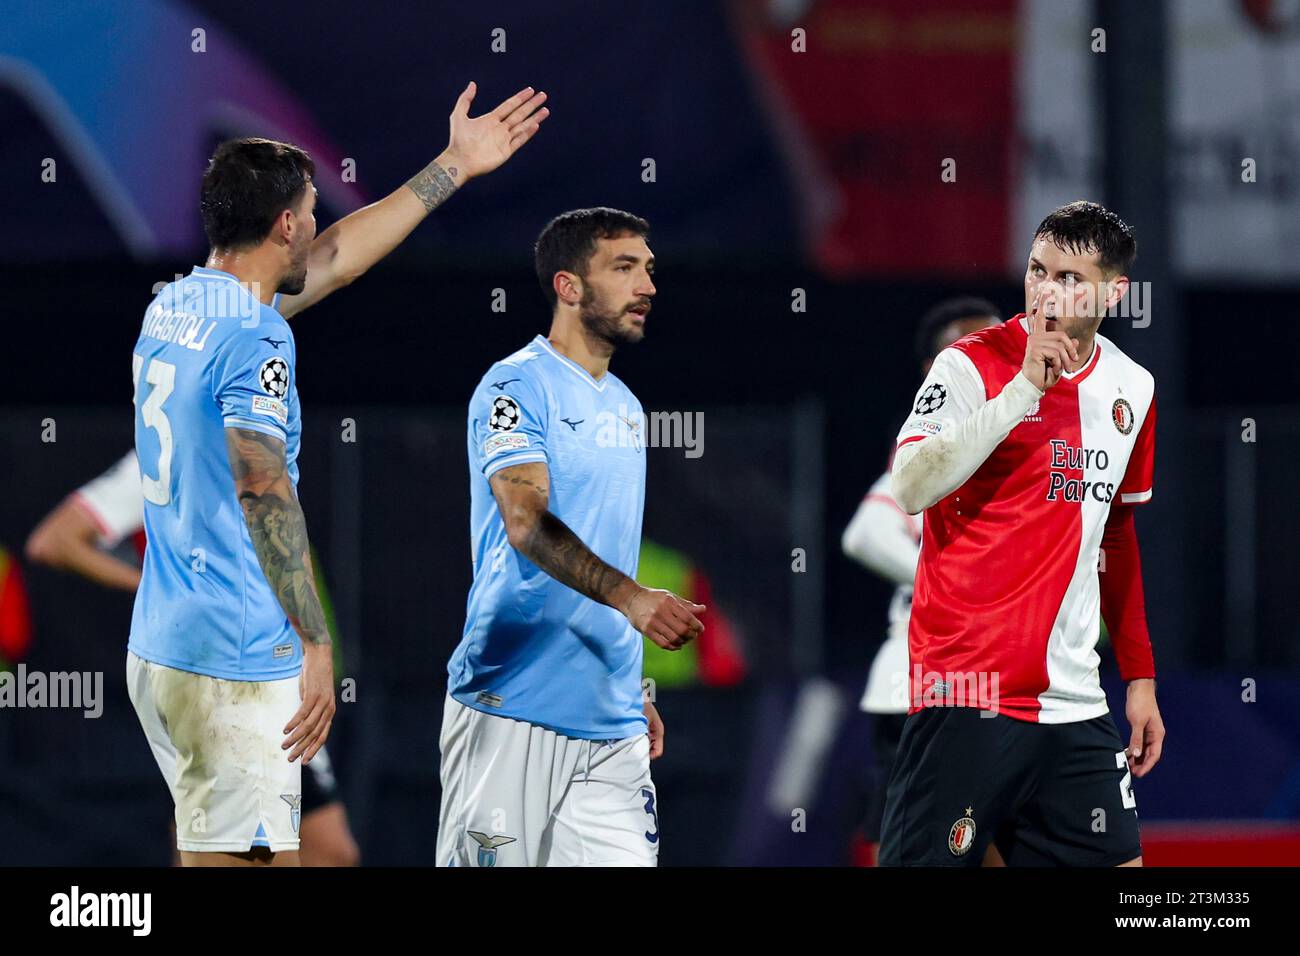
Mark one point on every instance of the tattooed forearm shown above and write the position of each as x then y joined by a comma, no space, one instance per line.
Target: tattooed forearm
278,528
552,546
522,493
433,185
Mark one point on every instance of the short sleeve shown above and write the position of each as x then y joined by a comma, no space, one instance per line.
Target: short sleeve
114,501
1136,487
508,420
253,384
951,392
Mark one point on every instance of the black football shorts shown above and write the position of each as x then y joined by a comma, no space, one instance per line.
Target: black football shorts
1046,794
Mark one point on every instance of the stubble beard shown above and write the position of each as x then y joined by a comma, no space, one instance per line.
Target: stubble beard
606,326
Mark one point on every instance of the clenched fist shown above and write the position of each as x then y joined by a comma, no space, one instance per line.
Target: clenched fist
665,618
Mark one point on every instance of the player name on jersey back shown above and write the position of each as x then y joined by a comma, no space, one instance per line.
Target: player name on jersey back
190,313
209,357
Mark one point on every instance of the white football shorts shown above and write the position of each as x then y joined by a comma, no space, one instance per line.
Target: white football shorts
516,794
217,743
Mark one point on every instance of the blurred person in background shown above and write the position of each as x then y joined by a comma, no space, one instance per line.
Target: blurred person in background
97,532
887,541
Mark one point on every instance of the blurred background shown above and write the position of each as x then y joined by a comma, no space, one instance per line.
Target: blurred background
790,157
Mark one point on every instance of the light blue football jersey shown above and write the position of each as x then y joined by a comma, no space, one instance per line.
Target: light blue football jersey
209,356
534,649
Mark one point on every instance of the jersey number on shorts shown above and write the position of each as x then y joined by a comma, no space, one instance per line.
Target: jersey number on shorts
162,376
654,814
1125,785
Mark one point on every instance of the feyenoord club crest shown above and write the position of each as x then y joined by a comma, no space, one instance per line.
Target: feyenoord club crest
1121,413
962,835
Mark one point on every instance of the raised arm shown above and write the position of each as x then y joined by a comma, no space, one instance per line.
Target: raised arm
477,146
928,469
279,533
522,494
953,429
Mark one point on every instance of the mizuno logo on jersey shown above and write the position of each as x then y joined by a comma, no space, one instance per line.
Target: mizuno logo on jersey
274,343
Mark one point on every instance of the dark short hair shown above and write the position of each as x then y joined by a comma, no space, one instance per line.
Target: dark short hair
569,241
247,184
1083,226
943,315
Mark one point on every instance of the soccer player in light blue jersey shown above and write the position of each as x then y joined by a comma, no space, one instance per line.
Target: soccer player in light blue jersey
229,649
546,736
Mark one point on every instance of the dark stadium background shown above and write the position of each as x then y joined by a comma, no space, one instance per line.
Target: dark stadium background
800,408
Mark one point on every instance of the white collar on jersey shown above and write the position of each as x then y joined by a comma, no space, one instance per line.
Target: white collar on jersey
597,384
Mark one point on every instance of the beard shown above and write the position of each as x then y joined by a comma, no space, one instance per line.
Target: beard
295,280
607,326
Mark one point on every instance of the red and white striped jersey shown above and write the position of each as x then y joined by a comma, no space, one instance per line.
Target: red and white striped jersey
1007,588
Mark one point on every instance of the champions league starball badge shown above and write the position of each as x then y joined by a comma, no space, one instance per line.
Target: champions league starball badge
931,400
505,414
273,377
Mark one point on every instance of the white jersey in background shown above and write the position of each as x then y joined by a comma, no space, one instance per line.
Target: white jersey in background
114,501
885,539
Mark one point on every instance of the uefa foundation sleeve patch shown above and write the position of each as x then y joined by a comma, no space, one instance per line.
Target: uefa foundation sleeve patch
272,407
499,443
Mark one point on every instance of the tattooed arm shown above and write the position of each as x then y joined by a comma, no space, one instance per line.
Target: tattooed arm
356,242
522,494
277,527
279,533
